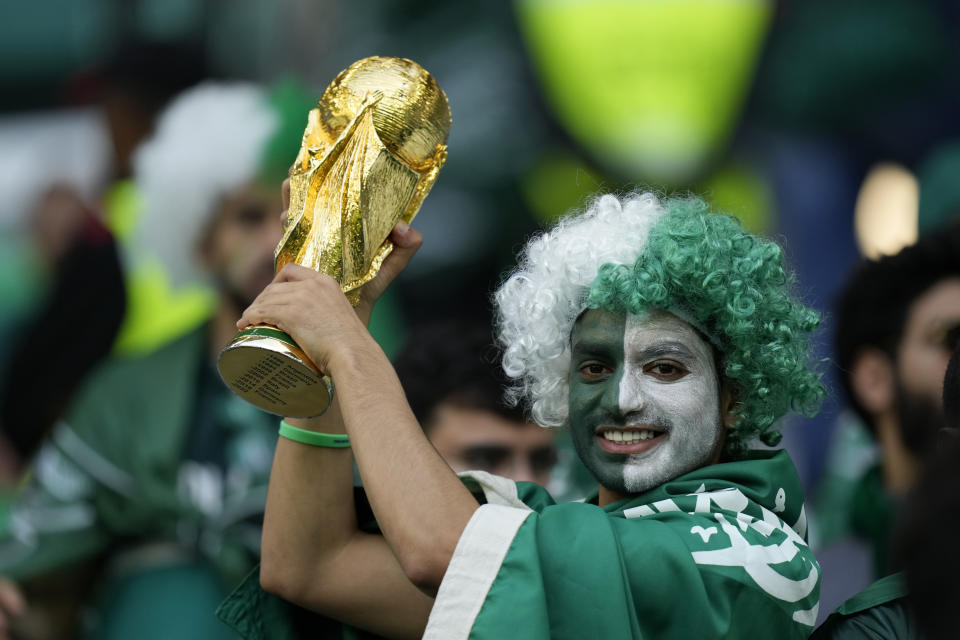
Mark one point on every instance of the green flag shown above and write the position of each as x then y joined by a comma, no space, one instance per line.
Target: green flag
717,553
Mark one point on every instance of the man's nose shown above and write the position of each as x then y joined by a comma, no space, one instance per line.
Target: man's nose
626,394
521,470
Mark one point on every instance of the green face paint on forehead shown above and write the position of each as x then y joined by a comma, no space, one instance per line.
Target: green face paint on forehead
644,400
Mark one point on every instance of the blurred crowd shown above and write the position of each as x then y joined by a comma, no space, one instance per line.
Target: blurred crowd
142,148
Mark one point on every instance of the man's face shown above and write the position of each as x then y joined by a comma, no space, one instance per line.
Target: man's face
922,358
239,246
471,439
644,398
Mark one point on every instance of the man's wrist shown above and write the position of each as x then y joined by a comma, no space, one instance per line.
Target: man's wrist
313,438
318,424
354,357
364,311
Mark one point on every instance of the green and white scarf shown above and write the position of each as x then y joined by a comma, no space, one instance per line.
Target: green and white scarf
720,552
717,553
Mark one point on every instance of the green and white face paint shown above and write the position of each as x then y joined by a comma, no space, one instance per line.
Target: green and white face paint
644,398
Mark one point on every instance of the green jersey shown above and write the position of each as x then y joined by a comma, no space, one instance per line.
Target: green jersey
160,470
719,552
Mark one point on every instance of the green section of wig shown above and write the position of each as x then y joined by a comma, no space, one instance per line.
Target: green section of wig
734,287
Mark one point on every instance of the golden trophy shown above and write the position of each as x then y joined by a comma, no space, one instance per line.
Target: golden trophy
371,151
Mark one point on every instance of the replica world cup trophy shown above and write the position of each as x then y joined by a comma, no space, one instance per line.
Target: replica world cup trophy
371,151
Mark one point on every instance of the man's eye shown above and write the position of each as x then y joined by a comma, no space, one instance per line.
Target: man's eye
252,215
543,460
665,370
485,458
594,371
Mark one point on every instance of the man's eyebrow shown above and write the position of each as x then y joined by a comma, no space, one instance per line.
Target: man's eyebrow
591,345
668,348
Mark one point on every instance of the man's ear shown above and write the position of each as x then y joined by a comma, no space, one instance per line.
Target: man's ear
872,380
728,402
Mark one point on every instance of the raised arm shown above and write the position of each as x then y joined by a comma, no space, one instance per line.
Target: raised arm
313,553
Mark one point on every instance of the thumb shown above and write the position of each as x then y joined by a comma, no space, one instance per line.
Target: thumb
406,242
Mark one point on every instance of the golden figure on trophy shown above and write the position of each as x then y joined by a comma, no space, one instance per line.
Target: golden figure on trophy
371,152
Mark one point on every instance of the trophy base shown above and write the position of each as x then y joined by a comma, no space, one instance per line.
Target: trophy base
265,367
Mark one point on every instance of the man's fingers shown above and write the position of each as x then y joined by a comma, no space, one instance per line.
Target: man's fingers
264,313
265,307
293,272
406,242
276,295
403,235
295,288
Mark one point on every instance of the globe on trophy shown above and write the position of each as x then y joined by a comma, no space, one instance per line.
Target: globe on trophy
371,151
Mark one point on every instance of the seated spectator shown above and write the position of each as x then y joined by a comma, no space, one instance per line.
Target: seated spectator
451,375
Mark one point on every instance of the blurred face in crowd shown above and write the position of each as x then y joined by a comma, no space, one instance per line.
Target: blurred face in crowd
922,357
478,439
644,399
238,249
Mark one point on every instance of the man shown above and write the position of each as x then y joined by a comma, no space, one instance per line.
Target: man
918,601
664,336
893,321
455,388
898,325
935,506
157,469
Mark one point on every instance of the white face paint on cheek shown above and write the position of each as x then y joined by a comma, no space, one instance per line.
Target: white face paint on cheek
687,408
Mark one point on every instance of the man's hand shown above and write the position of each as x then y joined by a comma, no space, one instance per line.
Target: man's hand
310,307
406,242
12,606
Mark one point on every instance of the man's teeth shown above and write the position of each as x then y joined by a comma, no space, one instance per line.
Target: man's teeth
629,437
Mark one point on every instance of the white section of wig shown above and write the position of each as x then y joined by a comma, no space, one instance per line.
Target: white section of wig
539,303
208,142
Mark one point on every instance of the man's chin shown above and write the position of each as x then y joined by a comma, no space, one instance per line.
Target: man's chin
631,478
919,420
633,486
646,472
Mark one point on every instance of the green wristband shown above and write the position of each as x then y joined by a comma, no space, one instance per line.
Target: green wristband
333,440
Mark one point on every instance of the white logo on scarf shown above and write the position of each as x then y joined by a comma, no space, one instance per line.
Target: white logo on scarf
757,560
705,534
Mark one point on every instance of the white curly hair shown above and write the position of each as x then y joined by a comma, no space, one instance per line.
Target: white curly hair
209,141
540,301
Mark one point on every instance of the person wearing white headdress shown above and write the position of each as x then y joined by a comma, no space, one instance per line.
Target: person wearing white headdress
157,468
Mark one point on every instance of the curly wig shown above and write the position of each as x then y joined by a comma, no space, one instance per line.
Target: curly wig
640,253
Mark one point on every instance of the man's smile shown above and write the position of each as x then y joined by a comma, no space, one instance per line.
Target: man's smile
633,439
